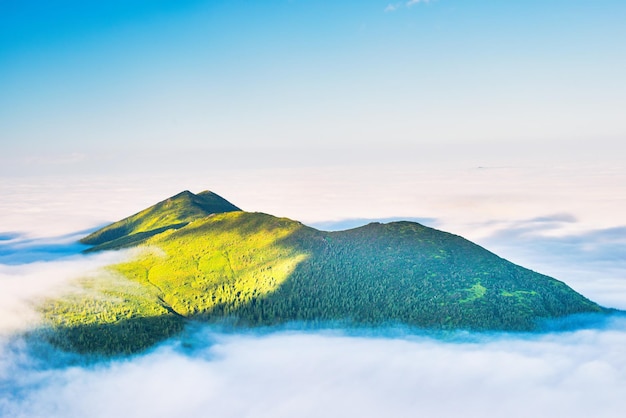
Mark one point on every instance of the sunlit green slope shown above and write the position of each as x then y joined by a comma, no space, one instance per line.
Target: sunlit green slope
256,269
175,212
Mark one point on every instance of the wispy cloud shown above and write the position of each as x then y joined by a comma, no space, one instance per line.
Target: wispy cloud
24,286
414,2
392,7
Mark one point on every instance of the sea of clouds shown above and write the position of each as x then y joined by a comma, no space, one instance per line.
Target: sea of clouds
568,225
286,374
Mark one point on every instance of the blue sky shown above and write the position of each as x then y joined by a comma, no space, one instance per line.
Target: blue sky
116,76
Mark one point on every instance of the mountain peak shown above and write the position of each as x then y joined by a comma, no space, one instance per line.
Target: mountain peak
183,193
173,212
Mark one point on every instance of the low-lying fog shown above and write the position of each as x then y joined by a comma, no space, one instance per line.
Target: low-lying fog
289,374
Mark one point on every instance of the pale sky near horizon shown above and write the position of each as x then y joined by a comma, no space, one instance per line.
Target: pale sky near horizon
134,79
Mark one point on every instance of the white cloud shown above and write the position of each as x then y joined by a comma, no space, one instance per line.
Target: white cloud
391,7
315,374
414,2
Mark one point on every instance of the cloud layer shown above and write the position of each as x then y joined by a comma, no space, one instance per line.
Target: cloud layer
290,374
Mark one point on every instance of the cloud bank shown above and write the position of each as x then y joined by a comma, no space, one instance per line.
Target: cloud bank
300,374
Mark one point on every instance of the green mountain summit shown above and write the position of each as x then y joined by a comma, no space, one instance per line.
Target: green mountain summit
175,212
198,257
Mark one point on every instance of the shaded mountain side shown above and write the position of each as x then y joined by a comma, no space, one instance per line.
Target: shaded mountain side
175,212
406,273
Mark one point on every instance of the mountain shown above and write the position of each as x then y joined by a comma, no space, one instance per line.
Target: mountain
206,260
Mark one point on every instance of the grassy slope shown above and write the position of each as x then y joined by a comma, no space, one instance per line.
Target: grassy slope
259,269
225,260
175,212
